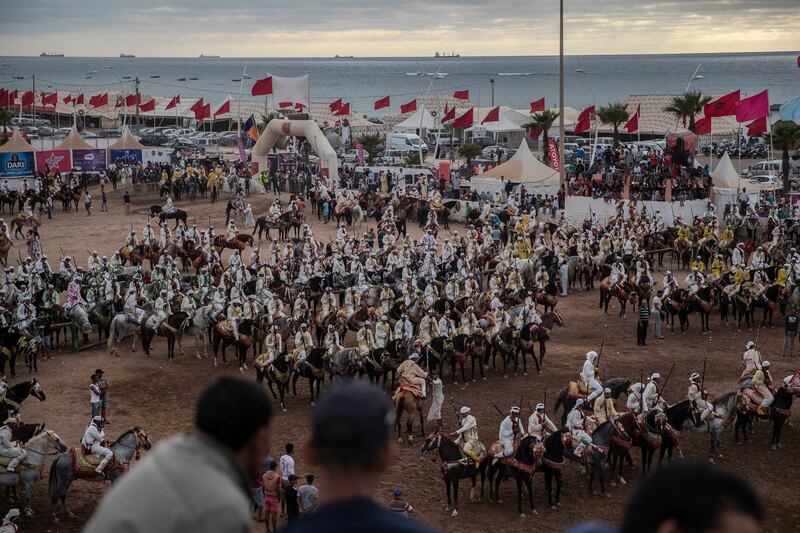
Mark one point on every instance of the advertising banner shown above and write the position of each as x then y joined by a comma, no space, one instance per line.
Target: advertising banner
16,164
125,156
156,154
58,160
89,160
552,151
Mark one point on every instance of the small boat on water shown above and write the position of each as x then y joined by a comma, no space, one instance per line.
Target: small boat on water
193,79
181,79
514,73
209,56
445,55
156,76
127,56
51,54
337,56
126,77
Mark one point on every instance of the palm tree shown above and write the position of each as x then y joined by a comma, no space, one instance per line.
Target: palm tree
687,105
469,152
543,121
5,122
785,134
411,160
370,143
615,115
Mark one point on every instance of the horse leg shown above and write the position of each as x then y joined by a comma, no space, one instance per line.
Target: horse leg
447,491
519,497
455,497
463,373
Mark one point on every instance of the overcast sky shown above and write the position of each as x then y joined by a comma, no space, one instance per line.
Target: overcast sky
322,28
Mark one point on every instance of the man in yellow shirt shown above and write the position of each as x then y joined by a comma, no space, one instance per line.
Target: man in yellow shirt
717,267
698,264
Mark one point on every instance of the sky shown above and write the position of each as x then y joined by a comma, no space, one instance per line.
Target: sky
383,28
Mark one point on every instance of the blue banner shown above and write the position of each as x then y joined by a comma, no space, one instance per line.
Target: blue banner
126,156
89,160
17,164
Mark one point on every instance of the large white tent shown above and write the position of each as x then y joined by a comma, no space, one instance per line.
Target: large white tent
412,123
74,141
522,169
724,176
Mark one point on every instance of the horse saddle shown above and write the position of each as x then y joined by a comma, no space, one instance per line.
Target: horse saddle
224,328
577,389
406,387
4,461
84,464
751,401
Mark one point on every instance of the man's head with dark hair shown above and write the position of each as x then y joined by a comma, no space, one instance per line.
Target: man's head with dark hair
236,413
693,497
350,428
289,448
309,478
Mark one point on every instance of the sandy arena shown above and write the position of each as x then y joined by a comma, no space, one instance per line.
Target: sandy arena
160,396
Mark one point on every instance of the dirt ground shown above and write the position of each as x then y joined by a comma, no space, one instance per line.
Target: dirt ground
160,396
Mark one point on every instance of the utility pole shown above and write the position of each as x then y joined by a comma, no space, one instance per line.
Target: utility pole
492,82
33,78
136,89
560,95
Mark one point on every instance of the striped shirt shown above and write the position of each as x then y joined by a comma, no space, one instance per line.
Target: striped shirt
644,314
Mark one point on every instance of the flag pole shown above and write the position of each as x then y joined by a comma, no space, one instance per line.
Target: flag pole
239,105
561,173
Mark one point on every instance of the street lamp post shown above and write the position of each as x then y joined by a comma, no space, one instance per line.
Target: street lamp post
594,104
491,80
561,173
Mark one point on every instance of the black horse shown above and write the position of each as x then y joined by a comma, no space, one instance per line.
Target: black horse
524,465
609,443
279,373
473,346
179,215
13,343
504,342
242,345
383,362
19,393
779,412
455,466
552,466
313,369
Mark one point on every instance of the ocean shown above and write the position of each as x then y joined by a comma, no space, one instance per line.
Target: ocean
517,80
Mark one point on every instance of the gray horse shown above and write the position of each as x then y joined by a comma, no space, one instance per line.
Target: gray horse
80,317
62,472
42,444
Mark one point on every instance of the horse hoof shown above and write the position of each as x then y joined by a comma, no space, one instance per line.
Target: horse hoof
606,495
553,507
522,515
483,378
534,512
613,483
400,440
454,513
622,481
283,409
313,404
524,373
773,447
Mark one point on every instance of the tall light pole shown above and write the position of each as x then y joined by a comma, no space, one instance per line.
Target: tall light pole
491,80
561,172
594,104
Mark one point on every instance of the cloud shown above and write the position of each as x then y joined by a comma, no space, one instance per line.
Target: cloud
384,27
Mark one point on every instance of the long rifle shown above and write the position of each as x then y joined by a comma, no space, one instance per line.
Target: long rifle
498,410
666,381
703,375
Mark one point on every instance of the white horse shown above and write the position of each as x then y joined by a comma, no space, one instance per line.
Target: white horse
44,443
78,315
199,327
119,328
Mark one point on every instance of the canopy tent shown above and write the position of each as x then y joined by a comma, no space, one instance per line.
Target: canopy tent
74,141
724,176
412,123
16,143
522,169
127,142
503,124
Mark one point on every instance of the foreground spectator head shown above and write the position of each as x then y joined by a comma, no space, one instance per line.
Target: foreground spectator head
693,497
236,414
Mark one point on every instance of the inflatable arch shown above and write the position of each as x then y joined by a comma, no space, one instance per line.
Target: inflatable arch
309,129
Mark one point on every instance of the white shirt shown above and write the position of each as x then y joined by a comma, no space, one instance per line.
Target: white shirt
286,466
94,393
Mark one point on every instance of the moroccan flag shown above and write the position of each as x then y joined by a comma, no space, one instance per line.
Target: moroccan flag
28,98
299,107
756,106
250,128
68,99
174,102
586,113
382,103
633,123
492,116
535,133
224,108
703,126
583,124
465,120
133,99
50,99
285,105
197,105
202,112
262,87
757,127
724,106
98,100
148,106
449,114
335,106
78,100
537,106
461,95
3,97
409,107
343,110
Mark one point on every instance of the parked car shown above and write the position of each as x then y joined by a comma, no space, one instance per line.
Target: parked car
407,142
351,156
392,157
766,167
766,179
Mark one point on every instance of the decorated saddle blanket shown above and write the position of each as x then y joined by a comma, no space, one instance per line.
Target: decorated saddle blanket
577,389
84,464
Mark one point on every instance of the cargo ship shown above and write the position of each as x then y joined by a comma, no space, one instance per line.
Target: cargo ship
51,54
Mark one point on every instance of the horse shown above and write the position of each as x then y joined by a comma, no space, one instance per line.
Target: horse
617,386
5,246
779,412
703,302
438,351
724,410
14,343
541,332
409,404
62,470
224,337
384,361
43,443
609,443
200,326
80,317
520,466
553,464
313,369
455,466
169,328
675,304
278,372
473,346
504,342
18,394
623,291
120,328
769,300
647,437
179,215
263,225
22,221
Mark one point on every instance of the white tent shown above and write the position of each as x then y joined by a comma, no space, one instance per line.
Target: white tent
503,124
127,142
74,141
16,143
412,123
522,169
724,176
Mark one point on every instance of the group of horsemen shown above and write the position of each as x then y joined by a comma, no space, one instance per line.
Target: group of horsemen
454,263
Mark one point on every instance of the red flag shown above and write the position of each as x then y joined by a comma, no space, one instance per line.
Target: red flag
224,108
78,100
724,106
756,106
703,126
262,87
98,100
202,112
335,106
3,97
757,127
449,114
284,105
633,123
465,120
538,105
535,132
133,99
174,102
148,106
197,106
582,125
299,107
382,103
68,99
492,116
586,113
461,95
50,99
28,98
409,107
343,110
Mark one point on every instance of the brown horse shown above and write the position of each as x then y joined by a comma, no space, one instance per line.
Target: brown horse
221,243
408,404
541,333
623,291
5,246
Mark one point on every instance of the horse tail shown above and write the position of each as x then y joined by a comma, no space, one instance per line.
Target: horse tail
112,333
560,399
52,483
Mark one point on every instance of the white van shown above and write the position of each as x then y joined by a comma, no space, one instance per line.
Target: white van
405,142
